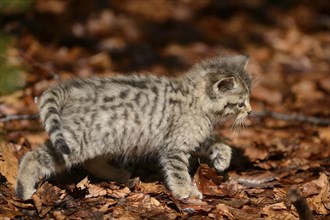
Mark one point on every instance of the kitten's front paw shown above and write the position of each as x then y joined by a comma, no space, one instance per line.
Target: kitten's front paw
220,156
187,192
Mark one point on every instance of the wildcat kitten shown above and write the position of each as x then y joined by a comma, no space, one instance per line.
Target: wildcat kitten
129,117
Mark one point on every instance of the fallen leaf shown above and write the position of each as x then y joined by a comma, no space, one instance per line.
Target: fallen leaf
21,204
106,207
120,193
8,163
277,211
222,210
229,188
152,188
324,134
312,188
58,215
9,213
257,152
83,184
205,179
36,139
95,191
320,203
306,90
196,206
45,197
11,104
268,95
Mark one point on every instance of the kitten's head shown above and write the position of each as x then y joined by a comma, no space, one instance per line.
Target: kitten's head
225,87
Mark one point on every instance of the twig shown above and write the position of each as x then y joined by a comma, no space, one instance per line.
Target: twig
19,117
300,204
293,117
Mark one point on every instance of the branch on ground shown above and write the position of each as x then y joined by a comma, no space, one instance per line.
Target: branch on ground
8,118
292,117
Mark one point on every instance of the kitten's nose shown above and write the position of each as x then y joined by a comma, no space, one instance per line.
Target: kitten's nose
248,108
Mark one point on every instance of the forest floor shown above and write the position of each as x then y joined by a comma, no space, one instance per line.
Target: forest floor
281,165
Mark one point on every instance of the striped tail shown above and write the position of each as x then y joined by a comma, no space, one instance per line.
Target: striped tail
50,113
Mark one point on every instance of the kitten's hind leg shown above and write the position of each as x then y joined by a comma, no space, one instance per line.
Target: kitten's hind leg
102,168
36,165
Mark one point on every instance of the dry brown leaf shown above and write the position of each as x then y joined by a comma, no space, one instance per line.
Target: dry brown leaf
205,179
152,188
222,211
6,109
277,211
52,6
120,213
36,139
196,206
312,188
270,96
120,193
147,206
320,203
11,104
38,203
9,213
58,215
106,207
136,196
324,134
8,163
306,90
83,184
257,152
45,197
229,188
154,202
21,204
95,191
149,203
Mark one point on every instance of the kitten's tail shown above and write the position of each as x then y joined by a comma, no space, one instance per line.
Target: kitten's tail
50,106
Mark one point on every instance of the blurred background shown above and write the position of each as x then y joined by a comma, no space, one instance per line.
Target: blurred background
288,42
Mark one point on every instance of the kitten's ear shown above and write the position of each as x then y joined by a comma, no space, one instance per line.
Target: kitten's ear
241,60
224,85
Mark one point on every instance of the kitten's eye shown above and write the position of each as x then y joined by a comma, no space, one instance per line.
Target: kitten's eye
241,105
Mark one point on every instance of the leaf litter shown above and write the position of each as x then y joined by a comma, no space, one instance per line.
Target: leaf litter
289,54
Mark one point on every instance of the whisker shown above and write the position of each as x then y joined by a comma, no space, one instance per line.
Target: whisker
243,123
239,123
256,81
236,125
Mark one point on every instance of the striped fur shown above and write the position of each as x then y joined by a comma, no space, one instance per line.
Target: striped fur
50,107
125,118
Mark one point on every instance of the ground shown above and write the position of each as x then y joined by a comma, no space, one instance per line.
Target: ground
281,163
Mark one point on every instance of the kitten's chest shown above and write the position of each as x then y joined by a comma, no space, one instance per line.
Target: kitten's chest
191,130
201,128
